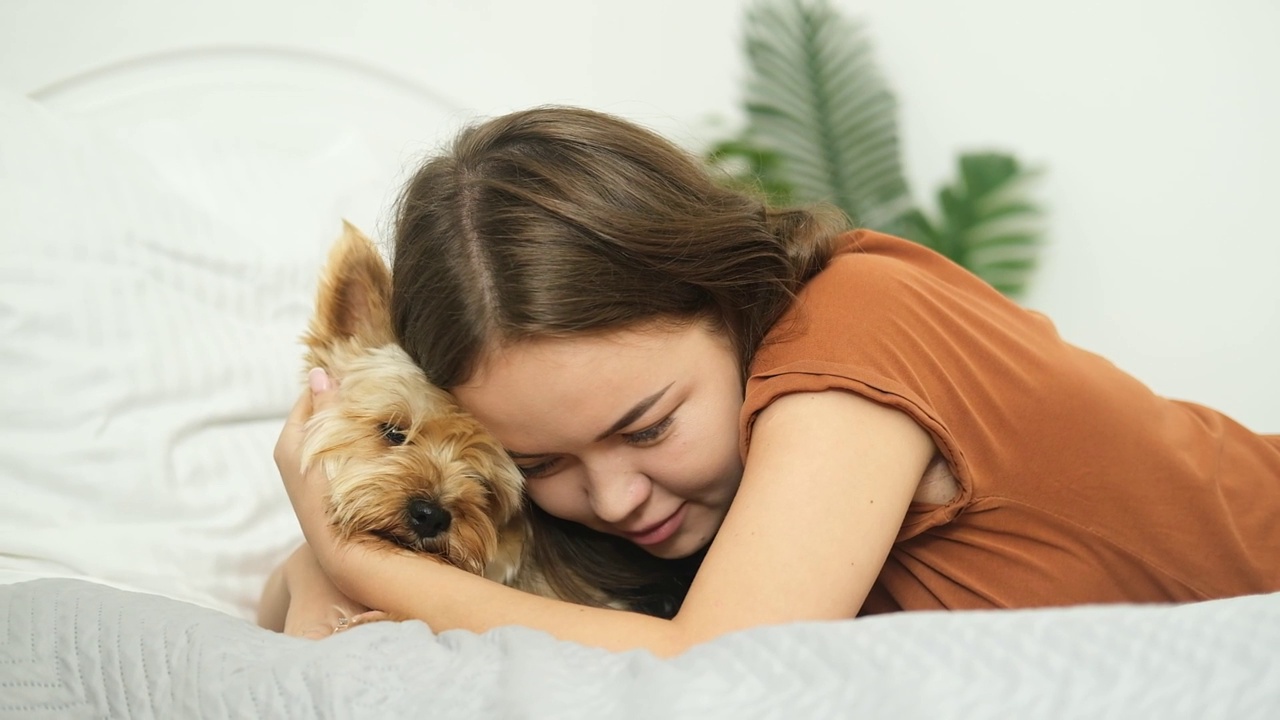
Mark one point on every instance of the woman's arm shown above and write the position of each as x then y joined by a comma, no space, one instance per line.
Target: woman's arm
300,600
825,489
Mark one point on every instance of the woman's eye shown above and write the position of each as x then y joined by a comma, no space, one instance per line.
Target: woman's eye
393,433
535,471
651,434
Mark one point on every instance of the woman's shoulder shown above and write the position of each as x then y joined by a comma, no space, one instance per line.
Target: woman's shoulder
902,325
883,293
874,266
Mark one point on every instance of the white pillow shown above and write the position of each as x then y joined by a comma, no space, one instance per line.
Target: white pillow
152,291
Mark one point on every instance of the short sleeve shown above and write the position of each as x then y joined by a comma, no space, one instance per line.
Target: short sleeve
900,325
1075,477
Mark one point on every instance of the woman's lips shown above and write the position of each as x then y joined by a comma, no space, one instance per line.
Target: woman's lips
660,532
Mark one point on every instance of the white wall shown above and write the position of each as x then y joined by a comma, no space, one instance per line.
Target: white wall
1158,125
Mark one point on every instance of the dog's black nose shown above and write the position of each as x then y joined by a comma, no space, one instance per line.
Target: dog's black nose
427,518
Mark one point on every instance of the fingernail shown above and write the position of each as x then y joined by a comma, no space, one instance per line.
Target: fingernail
318,379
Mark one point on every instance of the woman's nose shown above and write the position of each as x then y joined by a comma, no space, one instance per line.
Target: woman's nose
616,491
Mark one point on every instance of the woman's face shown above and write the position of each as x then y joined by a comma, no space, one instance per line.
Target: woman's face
632,433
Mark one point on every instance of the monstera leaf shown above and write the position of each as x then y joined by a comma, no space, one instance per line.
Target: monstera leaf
821,126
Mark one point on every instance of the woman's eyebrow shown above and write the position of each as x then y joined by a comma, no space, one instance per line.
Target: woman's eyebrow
634,413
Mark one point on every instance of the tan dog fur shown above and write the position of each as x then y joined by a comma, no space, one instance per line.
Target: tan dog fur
390,437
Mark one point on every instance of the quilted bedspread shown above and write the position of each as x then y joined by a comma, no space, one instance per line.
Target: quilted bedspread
72,649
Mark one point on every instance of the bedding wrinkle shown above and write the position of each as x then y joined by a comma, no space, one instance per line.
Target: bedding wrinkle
119,658
168,305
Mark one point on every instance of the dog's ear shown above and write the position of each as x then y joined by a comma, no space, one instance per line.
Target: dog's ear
354,297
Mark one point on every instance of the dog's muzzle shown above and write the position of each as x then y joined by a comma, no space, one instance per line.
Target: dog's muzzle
427,518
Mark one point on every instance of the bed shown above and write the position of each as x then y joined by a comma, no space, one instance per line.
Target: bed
168,210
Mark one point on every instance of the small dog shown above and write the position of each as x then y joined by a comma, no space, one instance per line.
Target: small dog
405,463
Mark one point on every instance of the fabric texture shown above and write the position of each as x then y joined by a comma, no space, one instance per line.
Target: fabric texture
1077,483
153,288
71,649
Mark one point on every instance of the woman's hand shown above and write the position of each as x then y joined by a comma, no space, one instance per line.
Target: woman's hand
340,563
306,490
301,601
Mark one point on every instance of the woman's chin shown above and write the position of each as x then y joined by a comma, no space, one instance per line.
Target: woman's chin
680,546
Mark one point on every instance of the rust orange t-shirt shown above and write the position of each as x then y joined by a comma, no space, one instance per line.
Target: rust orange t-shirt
1078,484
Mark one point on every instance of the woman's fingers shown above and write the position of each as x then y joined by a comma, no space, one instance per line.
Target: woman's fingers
319,380
316,607
307,487
288,450
366,617
289,445
317,623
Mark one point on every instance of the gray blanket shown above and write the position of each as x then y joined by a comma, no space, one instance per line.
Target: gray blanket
71,649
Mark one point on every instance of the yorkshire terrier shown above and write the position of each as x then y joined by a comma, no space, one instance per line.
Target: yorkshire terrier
405,464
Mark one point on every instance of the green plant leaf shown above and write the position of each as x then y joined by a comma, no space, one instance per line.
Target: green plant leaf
815,100
822,127
746,167
986,222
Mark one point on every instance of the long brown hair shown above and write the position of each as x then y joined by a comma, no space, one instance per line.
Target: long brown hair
557,221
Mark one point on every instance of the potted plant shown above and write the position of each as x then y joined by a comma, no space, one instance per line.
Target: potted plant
821,125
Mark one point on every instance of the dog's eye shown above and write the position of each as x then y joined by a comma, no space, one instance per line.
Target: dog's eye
392,433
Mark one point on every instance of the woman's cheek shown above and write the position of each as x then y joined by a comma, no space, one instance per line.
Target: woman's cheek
699,464
558,496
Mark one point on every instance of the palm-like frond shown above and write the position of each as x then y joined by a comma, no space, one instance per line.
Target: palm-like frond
985,221
747,167
816,102
822,127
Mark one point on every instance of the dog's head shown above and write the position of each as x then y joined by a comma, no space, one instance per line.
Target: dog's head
405,463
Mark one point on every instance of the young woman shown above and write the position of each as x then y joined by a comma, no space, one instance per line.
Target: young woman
821,423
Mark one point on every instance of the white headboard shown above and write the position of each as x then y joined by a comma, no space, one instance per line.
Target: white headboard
166,208
247,89
298,102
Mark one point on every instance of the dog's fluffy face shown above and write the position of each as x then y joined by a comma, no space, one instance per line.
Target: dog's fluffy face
405,464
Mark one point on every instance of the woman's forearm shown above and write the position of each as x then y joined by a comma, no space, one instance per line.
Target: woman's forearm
448,598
